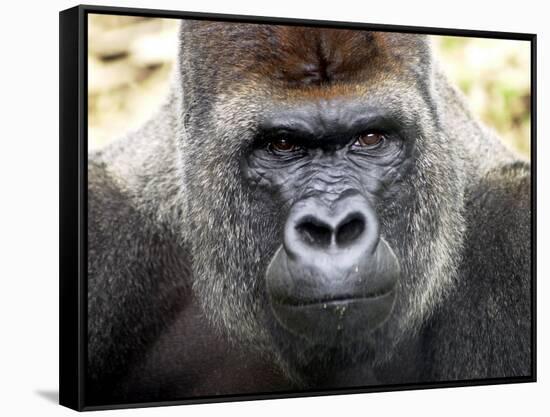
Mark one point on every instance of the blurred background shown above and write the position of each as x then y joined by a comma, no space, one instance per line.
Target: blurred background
130,60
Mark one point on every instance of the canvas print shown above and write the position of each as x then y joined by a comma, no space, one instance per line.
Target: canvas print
279,209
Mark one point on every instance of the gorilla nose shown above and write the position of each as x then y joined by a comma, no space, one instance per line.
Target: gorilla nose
342,227
317,231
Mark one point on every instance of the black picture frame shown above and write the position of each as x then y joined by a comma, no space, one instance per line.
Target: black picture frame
73,150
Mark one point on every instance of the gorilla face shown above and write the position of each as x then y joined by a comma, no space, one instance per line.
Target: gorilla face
325,220
334,275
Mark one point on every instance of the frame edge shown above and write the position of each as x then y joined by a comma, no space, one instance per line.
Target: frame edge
70,387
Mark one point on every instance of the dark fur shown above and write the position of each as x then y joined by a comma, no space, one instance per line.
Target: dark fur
179,243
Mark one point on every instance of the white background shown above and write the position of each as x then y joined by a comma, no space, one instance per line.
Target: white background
29,206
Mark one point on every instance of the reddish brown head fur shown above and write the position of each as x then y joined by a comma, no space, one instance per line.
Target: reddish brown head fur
304,56
298,57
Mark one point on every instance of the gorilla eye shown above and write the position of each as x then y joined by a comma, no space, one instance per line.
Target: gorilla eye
369,139
282,145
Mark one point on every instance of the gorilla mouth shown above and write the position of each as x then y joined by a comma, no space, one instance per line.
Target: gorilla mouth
328,322
326,302
336,299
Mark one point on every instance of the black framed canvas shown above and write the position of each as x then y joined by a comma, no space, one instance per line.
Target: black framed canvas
257,207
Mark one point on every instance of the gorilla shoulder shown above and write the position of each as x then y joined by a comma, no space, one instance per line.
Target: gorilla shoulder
134,265
502,207
487,317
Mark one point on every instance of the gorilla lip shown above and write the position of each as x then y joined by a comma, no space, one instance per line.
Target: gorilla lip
342,299
326,322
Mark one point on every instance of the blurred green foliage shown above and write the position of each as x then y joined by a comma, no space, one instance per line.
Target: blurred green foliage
494,75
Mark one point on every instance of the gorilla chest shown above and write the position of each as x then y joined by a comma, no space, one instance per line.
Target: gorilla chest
190,359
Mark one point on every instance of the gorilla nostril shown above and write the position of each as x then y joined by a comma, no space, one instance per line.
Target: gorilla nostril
314,232
350,230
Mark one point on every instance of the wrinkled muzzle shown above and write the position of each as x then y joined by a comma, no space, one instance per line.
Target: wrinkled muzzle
334,276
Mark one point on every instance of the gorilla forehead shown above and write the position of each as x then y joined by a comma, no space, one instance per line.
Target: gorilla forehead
298,56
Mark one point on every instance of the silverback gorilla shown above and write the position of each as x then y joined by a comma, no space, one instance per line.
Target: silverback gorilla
310,209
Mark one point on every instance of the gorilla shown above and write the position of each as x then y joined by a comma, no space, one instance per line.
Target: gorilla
310,209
